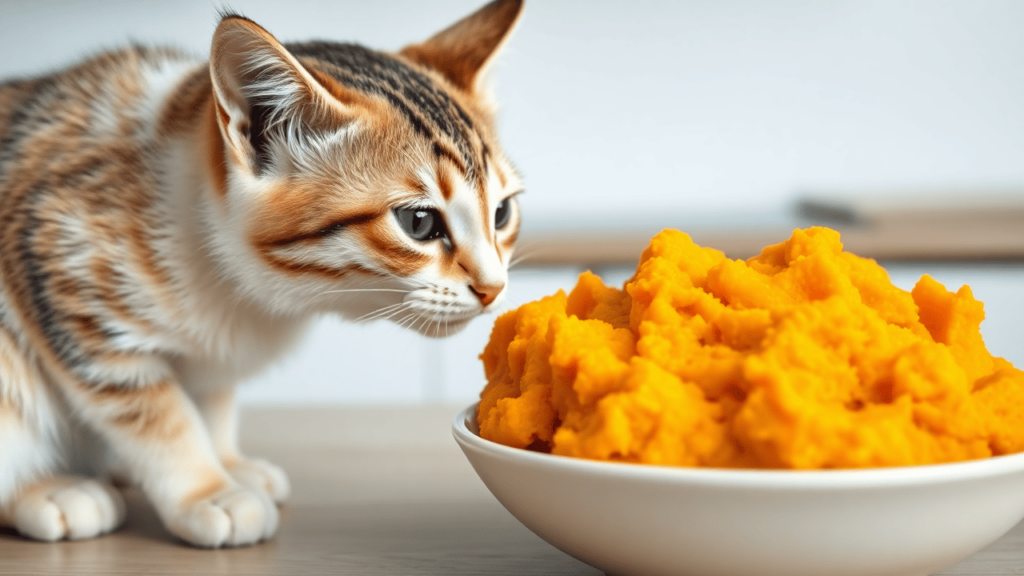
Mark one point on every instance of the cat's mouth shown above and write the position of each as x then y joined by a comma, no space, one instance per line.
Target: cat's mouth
436,313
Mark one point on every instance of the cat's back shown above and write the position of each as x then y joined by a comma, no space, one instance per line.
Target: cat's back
79,181
108,99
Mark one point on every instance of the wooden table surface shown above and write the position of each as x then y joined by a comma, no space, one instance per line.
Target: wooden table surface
375,491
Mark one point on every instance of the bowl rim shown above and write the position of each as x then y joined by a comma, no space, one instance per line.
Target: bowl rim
465,421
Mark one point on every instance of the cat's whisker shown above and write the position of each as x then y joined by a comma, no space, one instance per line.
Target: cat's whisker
390,315
518,260
412,318
408,314
369,315
524,255
381,315
423,323
415,324
382,311
365,290
387,309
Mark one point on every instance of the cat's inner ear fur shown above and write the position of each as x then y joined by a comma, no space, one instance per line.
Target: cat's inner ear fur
463,51
266,99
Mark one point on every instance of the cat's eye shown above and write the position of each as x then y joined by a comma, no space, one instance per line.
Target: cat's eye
421,223
502,213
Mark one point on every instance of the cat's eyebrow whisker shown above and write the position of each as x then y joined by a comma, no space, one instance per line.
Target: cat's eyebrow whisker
406,153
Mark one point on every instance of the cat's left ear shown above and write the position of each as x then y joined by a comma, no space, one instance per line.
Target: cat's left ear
463,51
262,90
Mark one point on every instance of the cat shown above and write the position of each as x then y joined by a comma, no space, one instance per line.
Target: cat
169,226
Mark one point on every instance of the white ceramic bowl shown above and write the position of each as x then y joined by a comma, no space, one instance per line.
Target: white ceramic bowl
641,520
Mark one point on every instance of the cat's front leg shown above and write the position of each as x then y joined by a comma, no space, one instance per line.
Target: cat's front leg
220,412
156,431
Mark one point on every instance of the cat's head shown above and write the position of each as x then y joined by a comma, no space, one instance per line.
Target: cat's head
354,181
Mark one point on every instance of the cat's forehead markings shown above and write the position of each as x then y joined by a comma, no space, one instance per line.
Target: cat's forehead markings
428,107
442,153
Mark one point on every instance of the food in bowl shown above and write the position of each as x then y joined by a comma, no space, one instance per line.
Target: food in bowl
804,357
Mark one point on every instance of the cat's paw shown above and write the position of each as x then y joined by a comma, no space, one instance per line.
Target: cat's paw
67,507
235,516
259,474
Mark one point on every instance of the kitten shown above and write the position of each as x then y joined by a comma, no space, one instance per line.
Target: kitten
168,227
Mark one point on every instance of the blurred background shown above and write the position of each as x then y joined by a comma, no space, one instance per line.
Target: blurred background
899,123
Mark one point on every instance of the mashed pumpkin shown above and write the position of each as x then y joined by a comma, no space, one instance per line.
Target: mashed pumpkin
803,357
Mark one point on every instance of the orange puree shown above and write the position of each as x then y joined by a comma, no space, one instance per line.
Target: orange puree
803,357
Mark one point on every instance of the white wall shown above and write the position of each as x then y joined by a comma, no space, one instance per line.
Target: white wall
675,105
638,108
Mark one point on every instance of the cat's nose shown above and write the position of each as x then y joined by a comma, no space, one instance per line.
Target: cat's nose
486,292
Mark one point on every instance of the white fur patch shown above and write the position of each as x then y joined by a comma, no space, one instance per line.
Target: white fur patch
160,81
26,453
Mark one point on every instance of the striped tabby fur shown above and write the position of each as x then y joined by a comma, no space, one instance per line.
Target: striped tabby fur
169,226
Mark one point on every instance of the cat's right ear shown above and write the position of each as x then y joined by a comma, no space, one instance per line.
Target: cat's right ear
261,91
464,51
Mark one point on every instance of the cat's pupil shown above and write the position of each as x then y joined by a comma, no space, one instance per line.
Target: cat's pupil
501,214
420,223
